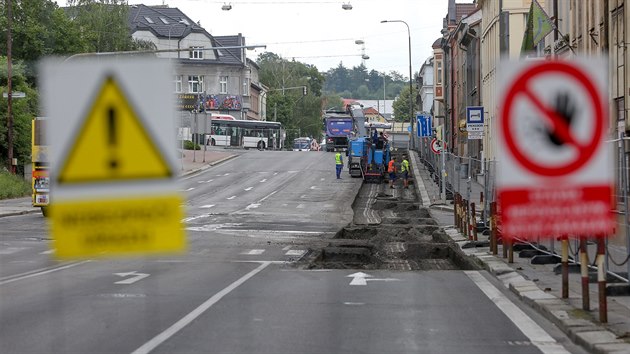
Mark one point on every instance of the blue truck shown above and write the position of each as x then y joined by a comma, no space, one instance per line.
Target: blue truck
338,126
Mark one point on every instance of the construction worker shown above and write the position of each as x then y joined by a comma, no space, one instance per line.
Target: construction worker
404,168
338,164
391,168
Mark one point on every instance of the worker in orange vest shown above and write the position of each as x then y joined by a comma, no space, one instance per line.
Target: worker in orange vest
391,168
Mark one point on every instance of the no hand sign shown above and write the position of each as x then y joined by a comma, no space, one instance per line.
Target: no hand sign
555,176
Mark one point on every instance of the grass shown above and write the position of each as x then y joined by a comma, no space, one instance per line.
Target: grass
12,186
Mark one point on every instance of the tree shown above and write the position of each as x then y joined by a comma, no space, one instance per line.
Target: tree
23,111
401,105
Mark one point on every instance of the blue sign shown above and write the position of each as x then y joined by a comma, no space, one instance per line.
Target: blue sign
474,115
425,128
409,128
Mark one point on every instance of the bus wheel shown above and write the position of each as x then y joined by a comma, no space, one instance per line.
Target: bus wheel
213,142
44,211
261,145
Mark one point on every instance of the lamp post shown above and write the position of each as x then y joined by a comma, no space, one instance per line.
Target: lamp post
410,74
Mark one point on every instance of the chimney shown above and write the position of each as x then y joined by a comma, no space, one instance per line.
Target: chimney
451,13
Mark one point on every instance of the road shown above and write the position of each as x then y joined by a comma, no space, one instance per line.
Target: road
236,291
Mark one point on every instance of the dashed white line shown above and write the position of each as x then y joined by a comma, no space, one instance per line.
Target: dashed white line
286,248
254,252
47,252
249,189
268,195
207,206
186,190
263,180
322,179
252,206
314,187
38,272
195,217
230,198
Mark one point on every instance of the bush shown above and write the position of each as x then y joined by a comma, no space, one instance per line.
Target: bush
12,186
189,145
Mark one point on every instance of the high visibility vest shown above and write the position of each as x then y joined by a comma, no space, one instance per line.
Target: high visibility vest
338,159
390,167
404,166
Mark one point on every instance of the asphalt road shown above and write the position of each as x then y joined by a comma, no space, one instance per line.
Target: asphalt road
235,290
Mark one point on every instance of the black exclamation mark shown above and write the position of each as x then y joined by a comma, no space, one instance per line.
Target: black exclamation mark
111,141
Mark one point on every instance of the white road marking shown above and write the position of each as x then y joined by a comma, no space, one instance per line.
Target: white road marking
314,187
263,180
11,250
195,217
536,334
300,206
361,278
207,206
252,206
286,248
186,320
230,198
135,276
186,190
293,171
354,303
38,272
322,179
47,252
268,195
210,180
249,188
275,173
254,252
227,174
295,253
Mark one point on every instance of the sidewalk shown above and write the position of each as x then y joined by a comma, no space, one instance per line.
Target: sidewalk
185,166
538,285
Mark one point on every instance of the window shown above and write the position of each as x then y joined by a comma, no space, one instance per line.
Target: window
439,73
195,84
164,21
223,84
621,108
196,53
178,83
149,20
246,87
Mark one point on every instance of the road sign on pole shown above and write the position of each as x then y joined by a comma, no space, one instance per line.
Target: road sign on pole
555,176
425,128
436,146
113,187
474,122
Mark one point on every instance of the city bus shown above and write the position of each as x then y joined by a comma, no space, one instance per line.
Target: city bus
40,182
302,144
246,133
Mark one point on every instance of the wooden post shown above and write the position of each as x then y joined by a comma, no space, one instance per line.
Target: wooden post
565,267
586,303
601,280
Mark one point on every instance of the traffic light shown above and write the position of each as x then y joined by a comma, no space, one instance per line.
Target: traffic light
304,92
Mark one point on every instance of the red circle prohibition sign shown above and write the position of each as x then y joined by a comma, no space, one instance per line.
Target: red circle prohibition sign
559,126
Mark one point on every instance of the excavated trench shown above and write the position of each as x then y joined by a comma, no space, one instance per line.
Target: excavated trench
405,238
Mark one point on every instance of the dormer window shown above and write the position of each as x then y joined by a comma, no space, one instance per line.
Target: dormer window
149,20
196,53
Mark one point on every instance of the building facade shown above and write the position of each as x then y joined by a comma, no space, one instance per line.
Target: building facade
210,73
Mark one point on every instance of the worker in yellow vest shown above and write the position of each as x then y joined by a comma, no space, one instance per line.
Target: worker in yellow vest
338,164
404,169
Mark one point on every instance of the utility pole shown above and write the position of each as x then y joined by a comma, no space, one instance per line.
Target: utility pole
9,89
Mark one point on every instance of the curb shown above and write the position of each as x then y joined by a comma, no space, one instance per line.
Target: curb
207,166
591,335
17,213
420,187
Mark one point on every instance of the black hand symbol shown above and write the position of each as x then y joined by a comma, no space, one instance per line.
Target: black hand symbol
565,110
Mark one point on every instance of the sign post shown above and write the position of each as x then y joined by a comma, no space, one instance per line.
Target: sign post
113,186
474,122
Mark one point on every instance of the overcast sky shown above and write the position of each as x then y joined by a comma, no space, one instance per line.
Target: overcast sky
320,32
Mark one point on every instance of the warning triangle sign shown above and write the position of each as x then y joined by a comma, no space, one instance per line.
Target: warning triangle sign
112,144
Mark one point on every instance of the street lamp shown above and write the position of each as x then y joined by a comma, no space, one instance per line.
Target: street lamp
410,73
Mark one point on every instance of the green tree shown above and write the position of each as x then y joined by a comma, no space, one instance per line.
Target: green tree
401,105
23,111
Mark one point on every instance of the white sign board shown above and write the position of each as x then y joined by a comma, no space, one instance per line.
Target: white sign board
555,176
113,162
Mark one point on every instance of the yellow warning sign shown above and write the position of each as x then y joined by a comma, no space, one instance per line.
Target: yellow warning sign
112,144
82,229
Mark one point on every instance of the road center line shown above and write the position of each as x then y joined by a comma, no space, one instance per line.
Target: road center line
536,334
230,198
268,195
263,180
249,189
38,272
186,320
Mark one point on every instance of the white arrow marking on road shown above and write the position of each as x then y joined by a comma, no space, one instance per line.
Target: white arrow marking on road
252,206
361,278
138,276
249,189
263,180
230,198
208,206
